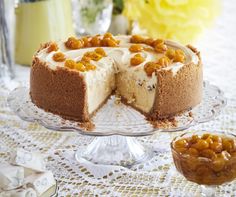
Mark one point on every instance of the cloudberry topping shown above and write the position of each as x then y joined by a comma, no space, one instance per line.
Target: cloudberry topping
85,59
151,67
52,47
58,57
164,61
149,49
80,66
107,35
93,55
135,48
74,43
149,41
86,42
158,42
89,66
137,39
179,56
110,42
170,53
100,51
70,64
136,60
179,51
95,41
160,48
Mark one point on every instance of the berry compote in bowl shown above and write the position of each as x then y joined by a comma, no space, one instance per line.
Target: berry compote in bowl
206,158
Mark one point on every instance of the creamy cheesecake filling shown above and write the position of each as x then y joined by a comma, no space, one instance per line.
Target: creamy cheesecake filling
100,85
140,93
115,72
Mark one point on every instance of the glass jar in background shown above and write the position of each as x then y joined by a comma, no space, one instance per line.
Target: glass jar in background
92,16
40,21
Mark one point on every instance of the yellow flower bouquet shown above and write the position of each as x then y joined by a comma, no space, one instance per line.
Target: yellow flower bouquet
180,20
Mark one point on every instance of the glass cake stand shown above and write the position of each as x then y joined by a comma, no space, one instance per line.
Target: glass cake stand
116,125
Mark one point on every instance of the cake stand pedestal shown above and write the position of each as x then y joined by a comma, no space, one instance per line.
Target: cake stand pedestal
116,125
115,150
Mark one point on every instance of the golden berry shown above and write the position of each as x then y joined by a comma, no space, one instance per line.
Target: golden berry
205,136
74,43
227,145
80,67
218,164
151,67
70,64
89,66
193,152
85,59
149,49
137,39
136,60
181,143
216,146
93,55
160,48
135,48
182,150
209,140
170,53
52,47
110,42
179,56
107,35
100,51
194,139
233,142
216,138
158,42
201,145
58,57
86,42
164,61
95,41
149,41
225,155
208,153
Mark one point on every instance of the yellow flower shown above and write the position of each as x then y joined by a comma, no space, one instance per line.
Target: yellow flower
180,20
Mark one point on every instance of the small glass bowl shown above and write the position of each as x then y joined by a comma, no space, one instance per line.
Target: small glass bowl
202,170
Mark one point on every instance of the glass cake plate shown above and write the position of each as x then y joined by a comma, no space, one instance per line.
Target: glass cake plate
116,125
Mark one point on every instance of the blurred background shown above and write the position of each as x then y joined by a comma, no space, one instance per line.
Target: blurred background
207,24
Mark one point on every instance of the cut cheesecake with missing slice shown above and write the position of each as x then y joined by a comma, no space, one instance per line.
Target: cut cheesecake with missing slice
76,77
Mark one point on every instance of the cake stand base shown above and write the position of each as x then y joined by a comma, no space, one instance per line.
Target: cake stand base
115,150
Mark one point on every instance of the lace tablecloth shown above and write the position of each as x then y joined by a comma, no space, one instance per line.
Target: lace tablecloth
157,177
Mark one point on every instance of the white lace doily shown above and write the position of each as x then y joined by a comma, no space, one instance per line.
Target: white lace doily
158,177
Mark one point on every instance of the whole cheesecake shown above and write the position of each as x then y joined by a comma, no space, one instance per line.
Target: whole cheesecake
74,78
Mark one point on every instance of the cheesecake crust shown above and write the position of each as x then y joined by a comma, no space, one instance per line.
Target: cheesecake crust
60,91
178,93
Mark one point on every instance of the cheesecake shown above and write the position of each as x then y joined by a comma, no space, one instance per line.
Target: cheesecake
75,77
